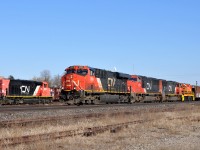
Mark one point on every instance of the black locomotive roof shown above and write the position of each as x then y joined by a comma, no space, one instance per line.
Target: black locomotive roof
172,81
118,74
27,81
123,75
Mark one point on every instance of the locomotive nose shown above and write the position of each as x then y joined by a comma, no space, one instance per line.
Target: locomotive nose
70,82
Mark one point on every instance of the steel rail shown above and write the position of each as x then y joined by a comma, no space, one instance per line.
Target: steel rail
91,131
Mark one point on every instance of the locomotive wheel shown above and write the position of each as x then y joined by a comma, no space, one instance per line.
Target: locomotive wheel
132,100
92,102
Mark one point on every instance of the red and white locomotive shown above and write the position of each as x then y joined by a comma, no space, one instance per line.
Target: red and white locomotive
83,84
23,91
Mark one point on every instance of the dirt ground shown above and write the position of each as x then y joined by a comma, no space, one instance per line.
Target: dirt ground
178,130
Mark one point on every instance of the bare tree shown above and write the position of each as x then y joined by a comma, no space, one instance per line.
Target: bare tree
36,78
45,75
11,77
56,81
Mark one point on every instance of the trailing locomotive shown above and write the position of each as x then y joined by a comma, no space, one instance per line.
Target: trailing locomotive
83,84
152,89
23,91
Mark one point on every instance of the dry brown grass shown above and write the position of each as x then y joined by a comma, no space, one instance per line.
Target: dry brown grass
164,132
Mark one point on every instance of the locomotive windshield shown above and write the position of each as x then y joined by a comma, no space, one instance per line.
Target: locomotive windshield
70,71
133,79
82,72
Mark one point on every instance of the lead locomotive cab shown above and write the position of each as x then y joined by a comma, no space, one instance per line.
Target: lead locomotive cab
76,81
83,84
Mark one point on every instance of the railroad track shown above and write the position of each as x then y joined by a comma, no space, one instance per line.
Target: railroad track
58,135
18,108
39,121
91,131
42,107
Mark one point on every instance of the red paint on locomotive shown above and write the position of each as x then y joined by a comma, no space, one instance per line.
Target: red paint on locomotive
135,83
80,78
4,85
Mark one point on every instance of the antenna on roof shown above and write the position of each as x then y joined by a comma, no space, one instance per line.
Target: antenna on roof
115,69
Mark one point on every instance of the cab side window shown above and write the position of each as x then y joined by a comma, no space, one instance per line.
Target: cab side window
45,85
91,73
97,72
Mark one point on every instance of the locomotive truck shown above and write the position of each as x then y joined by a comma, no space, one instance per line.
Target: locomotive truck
23,91
84,84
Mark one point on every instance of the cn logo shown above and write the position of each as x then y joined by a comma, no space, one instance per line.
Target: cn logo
170,88
111,82
25,89
148,86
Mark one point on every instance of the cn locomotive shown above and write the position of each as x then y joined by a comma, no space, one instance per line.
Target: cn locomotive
23,91
88,85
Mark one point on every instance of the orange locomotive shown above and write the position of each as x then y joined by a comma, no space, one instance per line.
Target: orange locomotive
83,84
23,91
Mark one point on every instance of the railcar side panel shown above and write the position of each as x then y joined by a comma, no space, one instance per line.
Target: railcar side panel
24,88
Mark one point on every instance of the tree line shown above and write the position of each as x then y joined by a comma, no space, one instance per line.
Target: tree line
45,75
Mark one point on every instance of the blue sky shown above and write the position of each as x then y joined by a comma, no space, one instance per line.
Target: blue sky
152,38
